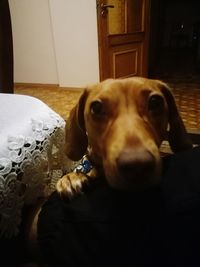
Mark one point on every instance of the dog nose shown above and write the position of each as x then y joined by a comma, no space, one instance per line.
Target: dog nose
135,163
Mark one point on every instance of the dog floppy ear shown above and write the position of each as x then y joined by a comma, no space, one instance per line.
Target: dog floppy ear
178,138
76,140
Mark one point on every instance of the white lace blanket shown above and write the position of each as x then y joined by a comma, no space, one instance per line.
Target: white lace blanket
31,155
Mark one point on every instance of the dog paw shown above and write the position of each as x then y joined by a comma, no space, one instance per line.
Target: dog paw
71,184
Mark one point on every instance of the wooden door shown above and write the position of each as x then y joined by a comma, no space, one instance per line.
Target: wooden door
123,33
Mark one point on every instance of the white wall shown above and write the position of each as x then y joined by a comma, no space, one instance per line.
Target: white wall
34,57
76,44
55,42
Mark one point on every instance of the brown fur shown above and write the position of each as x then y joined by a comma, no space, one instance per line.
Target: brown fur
124,139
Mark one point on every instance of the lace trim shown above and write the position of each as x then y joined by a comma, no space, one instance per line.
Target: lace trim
33,166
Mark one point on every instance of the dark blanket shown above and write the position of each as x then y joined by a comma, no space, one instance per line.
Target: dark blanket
106,227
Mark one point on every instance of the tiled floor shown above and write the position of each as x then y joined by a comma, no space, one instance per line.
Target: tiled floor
186,93
60,100
187,96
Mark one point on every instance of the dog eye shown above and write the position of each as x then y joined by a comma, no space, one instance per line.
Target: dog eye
96,108
156,103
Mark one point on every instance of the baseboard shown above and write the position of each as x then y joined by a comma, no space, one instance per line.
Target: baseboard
42,85
35,85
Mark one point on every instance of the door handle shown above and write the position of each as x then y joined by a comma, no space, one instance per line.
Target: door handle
105,6
104,9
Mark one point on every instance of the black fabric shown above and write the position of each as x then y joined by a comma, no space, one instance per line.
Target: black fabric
106,227
6,49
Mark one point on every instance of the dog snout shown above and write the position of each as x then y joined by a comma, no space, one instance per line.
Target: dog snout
135,164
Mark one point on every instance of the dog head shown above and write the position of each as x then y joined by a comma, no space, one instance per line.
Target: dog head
124,122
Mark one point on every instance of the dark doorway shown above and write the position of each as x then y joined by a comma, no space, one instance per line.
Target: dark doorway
174,39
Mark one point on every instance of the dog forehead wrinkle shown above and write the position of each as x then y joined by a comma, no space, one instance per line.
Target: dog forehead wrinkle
110,93
124,93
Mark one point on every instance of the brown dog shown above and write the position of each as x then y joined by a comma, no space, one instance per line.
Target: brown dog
121,124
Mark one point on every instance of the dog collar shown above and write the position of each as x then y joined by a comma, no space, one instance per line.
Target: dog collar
84,166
